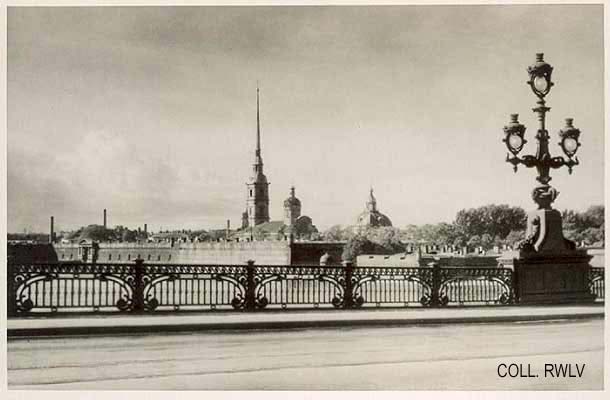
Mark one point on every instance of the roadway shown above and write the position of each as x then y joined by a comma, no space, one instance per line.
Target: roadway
457,357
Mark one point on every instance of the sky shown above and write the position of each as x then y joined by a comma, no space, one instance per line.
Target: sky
150,112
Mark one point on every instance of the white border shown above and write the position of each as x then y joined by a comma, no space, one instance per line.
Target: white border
270,395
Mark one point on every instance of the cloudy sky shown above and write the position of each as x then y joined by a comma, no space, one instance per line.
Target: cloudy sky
151,112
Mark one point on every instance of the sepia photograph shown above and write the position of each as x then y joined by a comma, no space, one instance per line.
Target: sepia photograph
305,197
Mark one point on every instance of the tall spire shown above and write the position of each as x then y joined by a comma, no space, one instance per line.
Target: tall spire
258,124
257,205
258,159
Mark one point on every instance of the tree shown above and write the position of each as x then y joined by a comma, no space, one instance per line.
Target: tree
494,220
474,241
387,238
128,236
594,216
487,241
384,240
336,233
514,237
587,227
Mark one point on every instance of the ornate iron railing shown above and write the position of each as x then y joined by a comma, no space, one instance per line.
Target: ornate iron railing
135,287
386,286
596,283
50,287
193,286
283,286
476,285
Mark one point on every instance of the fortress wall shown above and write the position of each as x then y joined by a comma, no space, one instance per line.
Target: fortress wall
272,253
478,261
67,252
146,245
269,253
394,260
263,253
413,261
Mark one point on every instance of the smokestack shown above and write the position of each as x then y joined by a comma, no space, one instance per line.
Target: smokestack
52,233
228,228
105,219
145,228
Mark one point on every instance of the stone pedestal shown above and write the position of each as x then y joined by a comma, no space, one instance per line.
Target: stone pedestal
551,279
547,267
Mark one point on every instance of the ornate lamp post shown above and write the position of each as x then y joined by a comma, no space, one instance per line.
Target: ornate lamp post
549,267
540,82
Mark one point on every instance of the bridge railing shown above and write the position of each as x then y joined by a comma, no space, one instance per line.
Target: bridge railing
138,287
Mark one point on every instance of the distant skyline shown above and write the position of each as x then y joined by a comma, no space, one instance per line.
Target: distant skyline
150,112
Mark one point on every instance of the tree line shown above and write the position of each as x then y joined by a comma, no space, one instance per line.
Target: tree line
483,227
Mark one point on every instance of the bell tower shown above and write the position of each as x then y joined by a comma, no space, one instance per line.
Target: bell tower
257,203
292,208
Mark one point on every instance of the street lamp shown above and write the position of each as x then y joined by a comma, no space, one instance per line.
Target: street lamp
540,83
548,267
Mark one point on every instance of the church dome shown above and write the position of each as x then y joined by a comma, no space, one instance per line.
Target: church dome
371,216
292,200
374,219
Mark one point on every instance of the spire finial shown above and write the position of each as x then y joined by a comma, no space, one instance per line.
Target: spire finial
371,204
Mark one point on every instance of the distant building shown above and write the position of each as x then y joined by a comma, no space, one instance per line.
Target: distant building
371,217
257,203
256,224
294,226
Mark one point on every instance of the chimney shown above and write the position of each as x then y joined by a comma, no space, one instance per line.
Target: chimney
105,219
228,228
52,233
146,228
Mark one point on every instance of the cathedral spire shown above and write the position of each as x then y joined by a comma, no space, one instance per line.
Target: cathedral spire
258,124
258,159
257,205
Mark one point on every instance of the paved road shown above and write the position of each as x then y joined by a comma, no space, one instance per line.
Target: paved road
458,357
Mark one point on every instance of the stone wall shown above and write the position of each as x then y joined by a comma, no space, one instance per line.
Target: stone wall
413,260
465,261
263,252
394,260
271,252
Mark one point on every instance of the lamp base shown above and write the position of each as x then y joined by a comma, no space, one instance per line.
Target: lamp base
547,279
547,267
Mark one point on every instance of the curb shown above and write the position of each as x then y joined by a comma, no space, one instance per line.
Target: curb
279,325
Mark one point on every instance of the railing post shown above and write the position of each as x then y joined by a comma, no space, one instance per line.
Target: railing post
514,284
11,296
138,290
348,296
250,303
436,284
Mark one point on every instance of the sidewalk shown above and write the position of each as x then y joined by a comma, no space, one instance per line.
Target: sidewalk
104,324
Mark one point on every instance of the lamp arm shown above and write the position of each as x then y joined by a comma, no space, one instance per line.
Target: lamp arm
557,162
529,161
